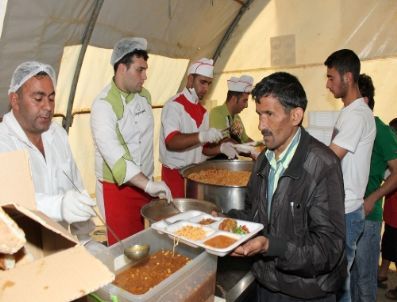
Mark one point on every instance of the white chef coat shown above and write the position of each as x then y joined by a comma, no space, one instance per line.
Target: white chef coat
49,179
122,127
176,119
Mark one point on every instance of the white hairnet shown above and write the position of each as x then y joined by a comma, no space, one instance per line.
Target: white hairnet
28,69
125,46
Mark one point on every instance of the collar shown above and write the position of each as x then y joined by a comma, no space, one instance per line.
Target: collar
355,103
189,96
125,95
225,110
287,154
14,127
295,167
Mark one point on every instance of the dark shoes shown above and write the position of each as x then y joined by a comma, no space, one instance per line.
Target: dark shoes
382,282
391,294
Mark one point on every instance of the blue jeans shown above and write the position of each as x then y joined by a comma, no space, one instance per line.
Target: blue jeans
354,229
365,267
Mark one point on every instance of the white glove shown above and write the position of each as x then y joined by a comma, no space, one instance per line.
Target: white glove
158,188
76,207
228,149
211,135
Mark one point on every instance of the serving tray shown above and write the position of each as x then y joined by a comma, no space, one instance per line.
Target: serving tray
192,218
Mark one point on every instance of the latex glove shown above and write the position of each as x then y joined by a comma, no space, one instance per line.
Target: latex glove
158,188
229,150
77,207
211,135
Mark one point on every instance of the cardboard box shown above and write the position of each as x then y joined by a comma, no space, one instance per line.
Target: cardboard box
62,269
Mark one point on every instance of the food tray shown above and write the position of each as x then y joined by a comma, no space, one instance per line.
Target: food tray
192,218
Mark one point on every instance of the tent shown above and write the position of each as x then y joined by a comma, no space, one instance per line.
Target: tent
255,37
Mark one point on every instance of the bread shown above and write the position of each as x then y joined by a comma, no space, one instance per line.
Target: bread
12,237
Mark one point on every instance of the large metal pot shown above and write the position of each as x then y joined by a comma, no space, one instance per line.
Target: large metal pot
225,197
159,209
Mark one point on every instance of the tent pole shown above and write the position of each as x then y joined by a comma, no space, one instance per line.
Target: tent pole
68,120
231,28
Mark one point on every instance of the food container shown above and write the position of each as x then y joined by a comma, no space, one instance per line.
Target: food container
225,197
193,282
159,209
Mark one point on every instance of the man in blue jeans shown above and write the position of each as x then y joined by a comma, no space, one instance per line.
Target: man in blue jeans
352,141
365,268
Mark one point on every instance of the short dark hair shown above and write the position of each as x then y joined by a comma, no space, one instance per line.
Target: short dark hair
128,58
393,124
367,89
344,60
231,94
283,86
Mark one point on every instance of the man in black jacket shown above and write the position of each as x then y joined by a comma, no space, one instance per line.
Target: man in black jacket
296,191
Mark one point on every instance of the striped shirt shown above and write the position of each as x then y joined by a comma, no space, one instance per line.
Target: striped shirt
277,167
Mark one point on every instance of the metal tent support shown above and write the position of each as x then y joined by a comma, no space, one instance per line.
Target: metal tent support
68,120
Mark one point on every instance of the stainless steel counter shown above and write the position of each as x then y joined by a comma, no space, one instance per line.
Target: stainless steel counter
234,280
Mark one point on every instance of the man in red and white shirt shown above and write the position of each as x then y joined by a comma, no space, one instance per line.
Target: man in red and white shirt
185,136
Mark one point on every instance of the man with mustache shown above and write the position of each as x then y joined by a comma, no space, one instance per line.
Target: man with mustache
296,192
122,127
28,126
352,141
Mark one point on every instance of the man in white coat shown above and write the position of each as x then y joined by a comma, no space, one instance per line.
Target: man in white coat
28,126
185,135
122,127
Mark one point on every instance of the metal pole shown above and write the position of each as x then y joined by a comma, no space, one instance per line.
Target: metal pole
67,122
231,28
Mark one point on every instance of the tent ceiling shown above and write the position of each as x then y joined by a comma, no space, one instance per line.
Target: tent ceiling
39,29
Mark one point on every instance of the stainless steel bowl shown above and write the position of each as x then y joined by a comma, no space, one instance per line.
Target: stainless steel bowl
225,197
159,209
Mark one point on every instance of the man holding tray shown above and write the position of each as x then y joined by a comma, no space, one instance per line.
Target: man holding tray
296,191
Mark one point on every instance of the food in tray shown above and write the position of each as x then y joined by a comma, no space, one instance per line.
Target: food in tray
142,277
191,232
220,241
221,177
230,225
206,221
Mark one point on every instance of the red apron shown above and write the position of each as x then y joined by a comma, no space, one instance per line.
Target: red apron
174,181
123,210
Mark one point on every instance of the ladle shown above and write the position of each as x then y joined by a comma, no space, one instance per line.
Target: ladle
135,253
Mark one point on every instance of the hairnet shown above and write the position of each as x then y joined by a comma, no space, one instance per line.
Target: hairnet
204,67
125,46
27,70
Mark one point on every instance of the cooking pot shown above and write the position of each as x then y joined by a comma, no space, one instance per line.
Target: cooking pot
225,197
159,209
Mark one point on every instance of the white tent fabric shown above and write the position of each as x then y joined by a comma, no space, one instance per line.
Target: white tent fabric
273,35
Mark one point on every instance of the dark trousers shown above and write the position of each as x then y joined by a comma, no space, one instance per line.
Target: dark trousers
265,295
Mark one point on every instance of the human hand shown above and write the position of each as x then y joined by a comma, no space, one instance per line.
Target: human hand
211,135
369,204
158,188
217,214
77,207
257,245
229,150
